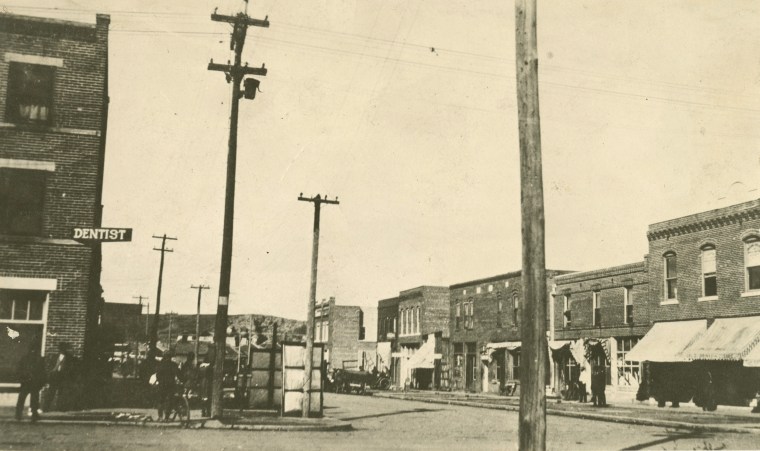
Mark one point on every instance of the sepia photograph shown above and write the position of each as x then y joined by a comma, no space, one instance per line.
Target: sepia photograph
379,224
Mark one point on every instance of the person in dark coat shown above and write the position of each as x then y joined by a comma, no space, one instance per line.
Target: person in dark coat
167,374
58,379
31,376
598,385
206,384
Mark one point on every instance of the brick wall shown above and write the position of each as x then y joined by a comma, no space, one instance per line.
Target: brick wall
72,141
611,284
722,228
344,334
386,308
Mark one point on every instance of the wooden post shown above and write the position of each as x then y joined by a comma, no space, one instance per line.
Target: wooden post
532,426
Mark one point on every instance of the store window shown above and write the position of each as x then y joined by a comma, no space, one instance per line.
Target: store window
628,372
21,326
515,364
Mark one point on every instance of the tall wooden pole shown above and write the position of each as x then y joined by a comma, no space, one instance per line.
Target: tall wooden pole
532,428
234,75
308,354
200,289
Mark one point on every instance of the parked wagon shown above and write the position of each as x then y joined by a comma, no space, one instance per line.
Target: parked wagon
358,381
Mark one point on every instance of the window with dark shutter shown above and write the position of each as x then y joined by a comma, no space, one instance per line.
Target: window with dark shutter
22,198
30,93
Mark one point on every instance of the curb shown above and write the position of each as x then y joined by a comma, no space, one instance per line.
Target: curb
325,426
589,416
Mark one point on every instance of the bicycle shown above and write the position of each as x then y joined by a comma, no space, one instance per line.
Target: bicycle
179,407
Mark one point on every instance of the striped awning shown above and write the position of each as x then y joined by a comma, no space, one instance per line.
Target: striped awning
753,358
727,339
667,341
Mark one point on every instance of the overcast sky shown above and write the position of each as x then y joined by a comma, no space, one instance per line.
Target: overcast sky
405,109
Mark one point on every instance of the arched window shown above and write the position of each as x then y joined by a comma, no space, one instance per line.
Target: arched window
752,262
515,309
670,266
499,310
709,271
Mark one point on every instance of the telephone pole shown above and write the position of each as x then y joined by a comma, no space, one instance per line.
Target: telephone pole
234,74
137,334
532,426
200,289
308,357
154,326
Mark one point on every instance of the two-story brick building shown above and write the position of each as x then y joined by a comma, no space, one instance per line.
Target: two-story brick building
485,324
704,299
598,317
415,327
53,115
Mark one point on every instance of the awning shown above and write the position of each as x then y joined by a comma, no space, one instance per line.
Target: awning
753,358
508,345
425,356
726,339
556,345
665,342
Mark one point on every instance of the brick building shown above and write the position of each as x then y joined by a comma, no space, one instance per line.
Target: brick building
343,330
414,329
704,299
599,316
53,115
484,317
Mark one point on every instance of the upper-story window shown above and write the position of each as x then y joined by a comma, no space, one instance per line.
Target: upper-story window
478,290
403,322
417,319
567,316
30,93
468,314
515,309
597,306
671,275
709,273
458,316
490,288
22,196
752,262
499,310
628,302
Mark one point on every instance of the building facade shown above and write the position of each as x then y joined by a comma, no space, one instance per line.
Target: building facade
599,316
485,333
342,330
53,115
704,273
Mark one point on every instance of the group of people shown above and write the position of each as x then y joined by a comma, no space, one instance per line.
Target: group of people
189,375
597,380
32,376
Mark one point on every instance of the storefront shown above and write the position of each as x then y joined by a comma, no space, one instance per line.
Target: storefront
667,372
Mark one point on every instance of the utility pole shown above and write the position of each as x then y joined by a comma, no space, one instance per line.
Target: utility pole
532,426
200,288
154,328
234,74
137,335
169,340
308,357
147,320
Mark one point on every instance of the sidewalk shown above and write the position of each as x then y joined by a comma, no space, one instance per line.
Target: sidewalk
234,420
688,416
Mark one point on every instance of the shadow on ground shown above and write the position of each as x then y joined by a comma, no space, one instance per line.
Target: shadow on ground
386,414
672,436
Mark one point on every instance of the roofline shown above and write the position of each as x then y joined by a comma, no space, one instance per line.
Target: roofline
49,20
611,270
501,276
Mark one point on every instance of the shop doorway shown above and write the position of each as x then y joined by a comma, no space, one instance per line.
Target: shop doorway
469,371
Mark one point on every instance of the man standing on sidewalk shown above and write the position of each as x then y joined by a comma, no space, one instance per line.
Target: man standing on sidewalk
31,375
